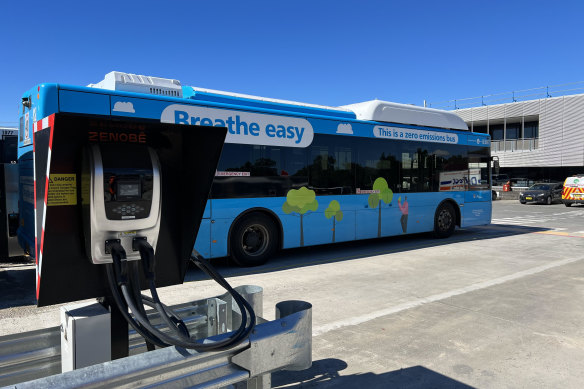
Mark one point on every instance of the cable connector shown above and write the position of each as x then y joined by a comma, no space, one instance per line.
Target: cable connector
109,243
114,247
147,255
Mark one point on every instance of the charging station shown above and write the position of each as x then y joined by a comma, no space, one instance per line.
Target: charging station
99,180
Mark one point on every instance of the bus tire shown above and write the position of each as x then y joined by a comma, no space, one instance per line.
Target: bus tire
254,239
444,221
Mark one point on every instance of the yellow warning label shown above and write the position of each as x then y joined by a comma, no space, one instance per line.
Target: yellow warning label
62,189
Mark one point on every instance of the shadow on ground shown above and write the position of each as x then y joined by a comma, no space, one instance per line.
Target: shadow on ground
17,279
325,374
17,284
345,251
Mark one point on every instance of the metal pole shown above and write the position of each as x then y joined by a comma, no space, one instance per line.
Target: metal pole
3,216
119,329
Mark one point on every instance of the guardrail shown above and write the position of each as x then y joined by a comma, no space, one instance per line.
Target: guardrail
511,97
33,359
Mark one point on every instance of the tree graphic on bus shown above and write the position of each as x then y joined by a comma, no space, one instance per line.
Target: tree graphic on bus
382,194
334,211
300,201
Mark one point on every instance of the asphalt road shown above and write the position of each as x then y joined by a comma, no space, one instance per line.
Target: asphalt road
490,307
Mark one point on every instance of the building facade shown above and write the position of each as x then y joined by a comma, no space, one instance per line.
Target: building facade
536,139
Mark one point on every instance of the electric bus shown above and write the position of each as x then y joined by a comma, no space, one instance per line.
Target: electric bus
293,174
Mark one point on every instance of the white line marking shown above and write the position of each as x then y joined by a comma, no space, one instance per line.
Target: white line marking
323,329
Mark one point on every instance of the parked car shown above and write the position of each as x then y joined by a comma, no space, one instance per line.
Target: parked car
542,193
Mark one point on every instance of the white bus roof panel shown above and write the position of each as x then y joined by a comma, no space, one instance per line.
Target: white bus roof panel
128,82
384,111
267,99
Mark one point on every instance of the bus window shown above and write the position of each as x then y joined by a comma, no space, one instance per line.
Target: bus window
331,161
258,171
376,159
450,171
478,168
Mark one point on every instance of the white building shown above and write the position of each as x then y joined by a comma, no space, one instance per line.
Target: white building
537,139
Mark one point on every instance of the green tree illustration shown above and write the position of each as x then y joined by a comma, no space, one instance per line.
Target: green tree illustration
334,211
384,195
300,201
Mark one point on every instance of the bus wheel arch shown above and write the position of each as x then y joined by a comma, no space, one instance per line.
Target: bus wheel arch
446,218
254,237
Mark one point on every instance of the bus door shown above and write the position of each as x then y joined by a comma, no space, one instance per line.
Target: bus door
477,199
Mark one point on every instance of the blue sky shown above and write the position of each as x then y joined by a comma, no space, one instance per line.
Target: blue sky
319,51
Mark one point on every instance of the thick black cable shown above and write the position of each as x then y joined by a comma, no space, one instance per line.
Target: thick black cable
229,342
219,345
124,309
149,264
115,275
173,315
242,303
135,283
176,327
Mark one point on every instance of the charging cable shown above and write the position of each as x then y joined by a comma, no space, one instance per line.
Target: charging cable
125,288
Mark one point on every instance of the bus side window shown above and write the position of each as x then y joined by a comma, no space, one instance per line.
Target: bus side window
330,169
478,167
376,159
449,161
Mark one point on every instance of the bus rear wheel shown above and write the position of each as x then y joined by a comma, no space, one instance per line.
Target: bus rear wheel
254,240
444,221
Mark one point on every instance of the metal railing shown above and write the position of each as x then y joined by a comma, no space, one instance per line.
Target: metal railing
511,97
514,145
33,359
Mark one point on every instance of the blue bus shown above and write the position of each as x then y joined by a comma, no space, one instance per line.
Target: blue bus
292,174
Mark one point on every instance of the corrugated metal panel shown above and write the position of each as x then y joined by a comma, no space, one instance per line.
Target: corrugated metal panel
496,111
514,110
531,107
465,114
480,113
550,132
573,131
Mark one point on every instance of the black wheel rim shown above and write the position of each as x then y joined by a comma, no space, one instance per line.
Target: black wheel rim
255,240
444,220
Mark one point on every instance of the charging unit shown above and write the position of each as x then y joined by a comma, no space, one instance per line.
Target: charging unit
123,200
126,157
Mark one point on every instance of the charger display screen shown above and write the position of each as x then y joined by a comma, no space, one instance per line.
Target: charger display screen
128,182
129,190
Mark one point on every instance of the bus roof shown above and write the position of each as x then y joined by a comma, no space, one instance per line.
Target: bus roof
385,111
217,96
374,110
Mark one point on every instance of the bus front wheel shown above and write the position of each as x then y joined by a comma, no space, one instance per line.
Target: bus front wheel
444,221
253,240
